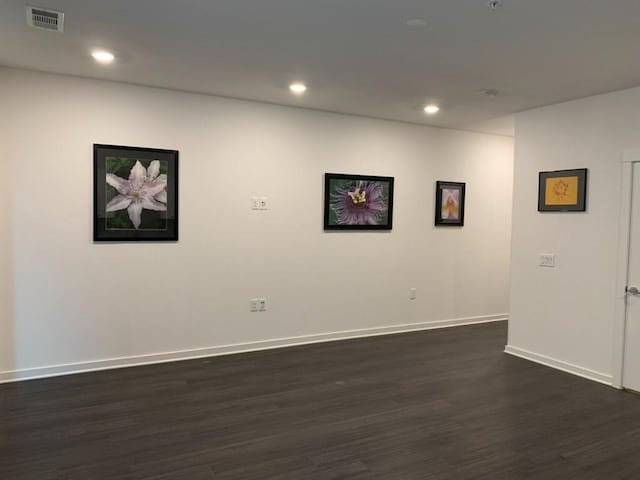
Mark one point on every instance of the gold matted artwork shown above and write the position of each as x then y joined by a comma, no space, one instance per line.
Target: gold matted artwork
449,204
562,191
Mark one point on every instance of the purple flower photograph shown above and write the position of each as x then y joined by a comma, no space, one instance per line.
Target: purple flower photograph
135,188
358,202
135,194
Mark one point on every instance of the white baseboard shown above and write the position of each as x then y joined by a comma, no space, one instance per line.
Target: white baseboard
560,365
138,360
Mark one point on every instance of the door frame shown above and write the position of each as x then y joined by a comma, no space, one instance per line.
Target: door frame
629,157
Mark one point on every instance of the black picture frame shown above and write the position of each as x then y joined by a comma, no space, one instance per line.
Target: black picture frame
358,202
567,190
453,204
135,215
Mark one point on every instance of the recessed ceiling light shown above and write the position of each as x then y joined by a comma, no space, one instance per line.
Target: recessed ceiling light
298,88
431,109
102,56
417,22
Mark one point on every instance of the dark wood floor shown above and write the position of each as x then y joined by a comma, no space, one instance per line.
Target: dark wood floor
442,404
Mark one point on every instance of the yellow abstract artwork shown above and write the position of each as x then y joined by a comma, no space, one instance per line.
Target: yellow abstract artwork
561,191
450,204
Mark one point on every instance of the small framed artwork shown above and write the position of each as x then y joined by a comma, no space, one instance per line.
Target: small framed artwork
357,202
449,204
135,194
562,191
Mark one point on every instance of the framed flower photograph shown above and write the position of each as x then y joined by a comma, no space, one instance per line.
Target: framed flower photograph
135,194
357,202
449,204
562,191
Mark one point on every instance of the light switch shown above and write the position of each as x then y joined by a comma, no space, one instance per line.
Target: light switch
259,203
254,304
547,260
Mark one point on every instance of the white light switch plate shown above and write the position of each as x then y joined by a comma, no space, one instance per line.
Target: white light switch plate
259,203
547,260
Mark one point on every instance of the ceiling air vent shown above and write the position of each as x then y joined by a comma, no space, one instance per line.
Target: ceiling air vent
46,19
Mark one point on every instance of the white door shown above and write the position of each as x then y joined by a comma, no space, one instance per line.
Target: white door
631,371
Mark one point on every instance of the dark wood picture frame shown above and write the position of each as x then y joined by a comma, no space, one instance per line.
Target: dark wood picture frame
139,188
455,207
358,202
569,190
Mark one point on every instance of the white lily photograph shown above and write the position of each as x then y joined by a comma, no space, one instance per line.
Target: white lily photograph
134,191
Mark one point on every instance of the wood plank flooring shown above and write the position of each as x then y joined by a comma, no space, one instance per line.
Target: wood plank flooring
440,404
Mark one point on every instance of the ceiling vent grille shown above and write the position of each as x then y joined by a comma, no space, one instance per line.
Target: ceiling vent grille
45,19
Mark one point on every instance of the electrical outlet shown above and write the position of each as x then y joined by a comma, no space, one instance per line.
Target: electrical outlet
412,294
254,305
259,203
262,304
547,260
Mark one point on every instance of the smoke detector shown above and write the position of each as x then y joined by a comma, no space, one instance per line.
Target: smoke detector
45,19
490,92
494,5
417,22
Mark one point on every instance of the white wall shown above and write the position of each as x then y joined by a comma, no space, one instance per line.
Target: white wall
565,316
6,263
80,302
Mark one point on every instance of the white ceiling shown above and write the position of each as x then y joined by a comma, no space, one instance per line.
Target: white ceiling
357,56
